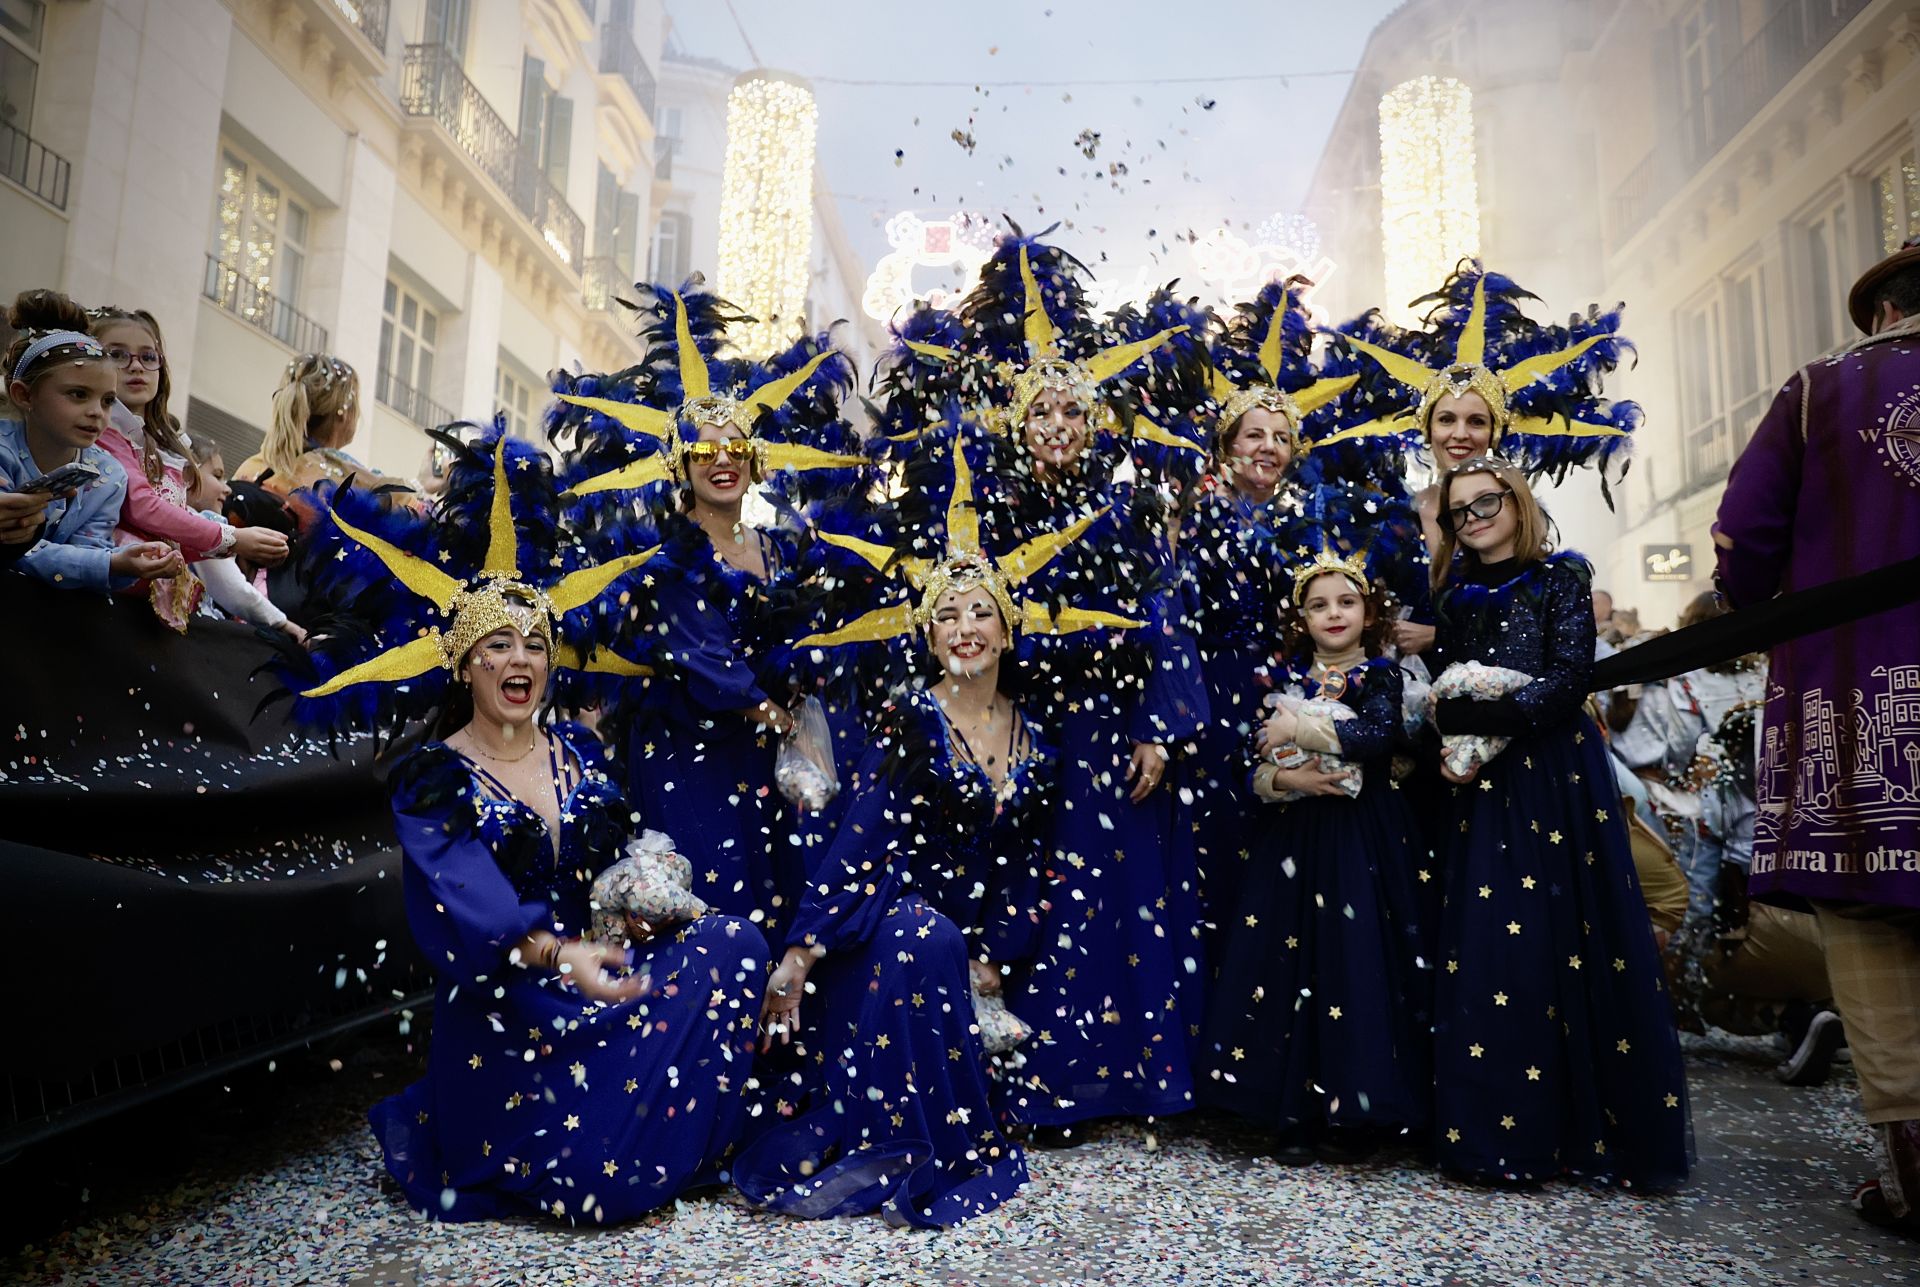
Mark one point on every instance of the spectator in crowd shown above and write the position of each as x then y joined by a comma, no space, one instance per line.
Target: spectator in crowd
1602,610
229,586
1829,488
144,440
60,381
316,412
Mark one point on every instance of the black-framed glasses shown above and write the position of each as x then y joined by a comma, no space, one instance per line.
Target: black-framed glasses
1484,506
124,358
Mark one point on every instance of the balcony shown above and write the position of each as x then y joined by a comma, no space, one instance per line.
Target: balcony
600,284
434,86
610,344
228,287
620,56
28,165
410,402
368,17
1752,78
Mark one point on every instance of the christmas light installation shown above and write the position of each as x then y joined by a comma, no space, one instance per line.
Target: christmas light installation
1429,192
766,205
956,245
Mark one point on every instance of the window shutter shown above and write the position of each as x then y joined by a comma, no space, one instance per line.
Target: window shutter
559,141
626,236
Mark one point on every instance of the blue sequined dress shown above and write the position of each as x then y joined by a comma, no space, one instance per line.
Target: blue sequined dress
931,866
1115,994
534,1098
696,767
1554,1042
1318,1011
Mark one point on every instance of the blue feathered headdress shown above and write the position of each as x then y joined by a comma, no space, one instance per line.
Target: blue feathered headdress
1371,537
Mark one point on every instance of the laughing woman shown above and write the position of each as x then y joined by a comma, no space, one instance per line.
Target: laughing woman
585,1079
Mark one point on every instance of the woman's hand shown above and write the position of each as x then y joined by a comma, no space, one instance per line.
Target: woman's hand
780,1011
1411,638
1310,778
986,977
585,965
770,715
639,931
1281,728
146,561
261,546
21,514
1144,771
294,631
1459,779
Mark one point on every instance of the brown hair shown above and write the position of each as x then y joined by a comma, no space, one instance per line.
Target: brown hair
34,313
159,425
315,387
1296,642
1530,539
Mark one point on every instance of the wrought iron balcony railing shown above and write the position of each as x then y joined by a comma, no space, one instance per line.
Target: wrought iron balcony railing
27,163
228,287
620,55
410,402
433,84
369,17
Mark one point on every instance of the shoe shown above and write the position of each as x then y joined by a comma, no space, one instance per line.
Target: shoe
1057,1137
1346,1146
1812,1059
1289,1150
1872,1206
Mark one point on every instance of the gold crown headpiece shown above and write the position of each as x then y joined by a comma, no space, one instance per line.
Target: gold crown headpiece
1470,372
1352,566
1237,399
460,613
964,566
701,405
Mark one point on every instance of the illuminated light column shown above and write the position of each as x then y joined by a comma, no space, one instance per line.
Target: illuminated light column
1429,190
766,205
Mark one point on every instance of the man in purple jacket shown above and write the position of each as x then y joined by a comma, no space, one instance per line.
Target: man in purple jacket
1828,488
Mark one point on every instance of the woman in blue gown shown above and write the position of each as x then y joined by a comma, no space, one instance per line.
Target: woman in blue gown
1317,1014
932,888
1555,1050
587,1079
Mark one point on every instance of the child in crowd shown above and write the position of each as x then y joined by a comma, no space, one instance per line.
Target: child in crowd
152,451
62,384
1317,1022
1554,1045
228,585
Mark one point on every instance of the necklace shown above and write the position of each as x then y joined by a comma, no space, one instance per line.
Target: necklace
499,759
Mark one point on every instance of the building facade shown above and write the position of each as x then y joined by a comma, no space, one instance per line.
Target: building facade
1726,167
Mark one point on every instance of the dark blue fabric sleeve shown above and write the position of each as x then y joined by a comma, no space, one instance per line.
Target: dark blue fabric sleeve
1173,705
1377,705
706,669
464,912
1565,606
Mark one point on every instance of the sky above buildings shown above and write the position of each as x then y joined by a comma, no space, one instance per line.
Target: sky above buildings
1135,125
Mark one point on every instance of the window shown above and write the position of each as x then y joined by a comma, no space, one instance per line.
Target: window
259,249
616,215
1896,202
670,259
20,25
1702,398
1748,386
546,126
408,332
447,25
666,143
514,400
1829,271
1698,62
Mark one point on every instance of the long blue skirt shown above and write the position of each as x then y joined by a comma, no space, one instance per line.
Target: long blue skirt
1318,1011
1554,1043
537,1102
895,1115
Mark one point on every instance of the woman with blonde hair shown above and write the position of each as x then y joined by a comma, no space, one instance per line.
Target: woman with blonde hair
316,411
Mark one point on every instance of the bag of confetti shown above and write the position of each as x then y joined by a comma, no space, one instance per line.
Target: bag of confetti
1416,695
1292,757
803,769
1465,752
652,883
1000,1028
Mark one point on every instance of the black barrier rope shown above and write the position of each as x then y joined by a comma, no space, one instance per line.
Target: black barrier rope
1761,626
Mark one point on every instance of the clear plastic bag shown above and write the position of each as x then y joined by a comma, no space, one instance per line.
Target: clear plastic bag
1465,753
803,769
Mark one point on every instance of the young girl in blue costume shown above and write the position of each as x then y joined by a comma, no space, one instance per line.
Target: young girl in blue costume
932,889
587,1080
683,437
1113,995
1554,1044
1317,1013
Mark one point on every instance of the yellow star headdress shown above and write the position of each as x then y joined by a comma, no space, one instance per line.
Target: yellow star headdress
701,405
1470,372
1238,398
966,565
457,612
